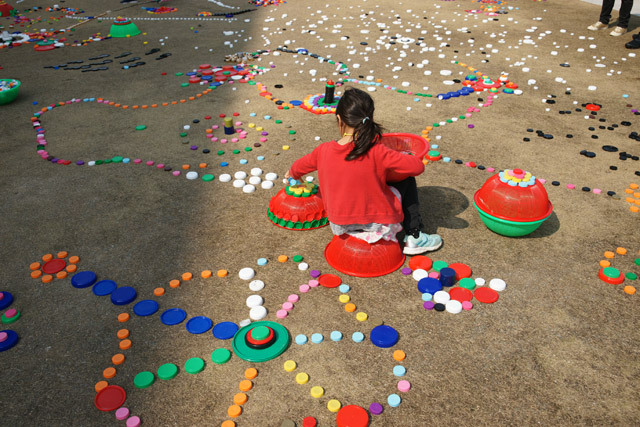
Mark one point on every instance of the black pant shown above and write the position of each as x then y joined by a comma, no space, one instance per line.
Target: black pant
410,206
623,16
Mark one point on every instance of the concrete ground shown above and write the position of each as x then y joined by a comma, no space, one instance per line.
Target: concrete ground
559,347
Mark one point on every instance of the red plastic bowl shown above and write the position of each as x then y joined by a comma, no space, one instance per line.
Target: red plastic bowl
355,257
406,143
513,203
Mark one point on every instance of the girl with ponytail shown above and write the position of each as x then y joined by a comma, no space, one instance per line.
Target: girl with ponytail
353,173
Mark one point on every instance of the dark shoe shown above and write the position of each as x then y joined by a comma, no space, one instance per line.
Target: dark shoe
633,44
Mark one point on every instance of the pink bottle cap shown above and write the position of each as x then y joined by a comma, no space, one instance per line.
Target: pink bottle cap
281,314
137,161
571,186
176,173
263,139
3,336
304,288
214,127
597,191
404,386
291,298
287,306
122,413
313,283
160,165
10,313
434,274
150,163
234,139
1,295
467,305
224,141
133,422
214,139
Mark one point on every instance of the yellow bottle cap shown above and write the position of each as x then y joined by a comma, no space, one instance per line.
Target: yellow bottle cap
302,378
334,405
290,366
362,316
317,392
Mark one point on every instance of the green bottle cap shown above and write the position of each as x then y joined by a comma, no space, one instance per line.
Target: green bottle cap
144,379
220,356
167,371
208,177
195,365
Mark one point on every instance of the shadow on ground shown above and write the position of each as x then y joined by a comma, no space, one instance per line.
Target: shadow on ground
440,207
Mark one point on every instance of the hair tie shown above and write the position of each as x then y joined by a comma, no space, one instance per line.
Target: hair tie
365,119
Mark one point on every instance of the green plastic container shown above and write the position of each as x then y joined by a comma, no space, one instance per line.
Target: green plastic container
509,228
121,30
8,96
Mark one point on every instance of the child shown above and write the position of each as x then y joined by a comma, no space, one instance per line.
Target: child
605,16
353,173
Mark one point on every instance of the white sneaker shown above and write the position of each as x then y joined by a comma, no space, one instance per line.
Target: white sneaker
597,26
424,243
618,31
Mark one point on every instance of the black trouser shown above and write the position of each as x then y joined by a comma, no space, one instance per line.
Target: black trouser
623,16
410,206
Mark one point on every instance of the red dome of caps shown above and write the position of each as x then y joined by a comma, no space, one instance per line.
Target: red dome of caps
514,195
298,207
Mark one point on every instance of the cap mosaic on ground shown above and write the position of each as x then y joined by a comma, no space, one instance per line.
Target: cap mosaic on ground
271,74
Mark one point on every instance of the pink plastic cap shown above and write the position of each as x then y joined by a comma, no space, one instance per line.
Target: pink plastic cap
122,413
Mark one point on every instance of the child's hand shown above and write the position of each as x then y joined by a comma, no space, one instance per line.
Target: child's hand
287,175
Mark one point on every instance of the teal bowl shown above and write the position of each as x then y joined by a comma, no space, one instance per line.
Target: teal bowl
509,228
8,96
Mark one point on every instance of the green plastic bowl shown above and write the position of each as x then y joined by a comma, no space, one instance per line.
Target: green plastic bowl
8,96
509,228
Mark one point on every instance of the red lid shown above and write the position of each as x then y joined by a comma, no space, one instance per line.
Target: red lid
513,202
462,270
54,266
420,262
329,280
486,295
460,294
309,422
110,398
352,416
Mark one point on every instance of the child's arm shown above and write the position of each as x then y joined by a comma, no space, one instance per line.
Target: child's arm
401,166
303,165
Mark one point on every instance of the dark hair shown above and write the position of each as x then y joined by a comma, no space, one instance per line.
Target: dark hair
355,108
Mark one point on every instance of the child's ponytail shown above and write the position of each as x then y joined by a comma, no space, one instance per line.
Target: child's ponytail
356,110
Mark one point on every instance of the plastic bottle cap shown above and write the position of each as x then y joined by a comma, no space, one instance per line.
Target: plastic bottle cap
394,400
254,301
194,365
144,379
199,324
334,405
301,339
290,366
497,284
258,313
245,385
250,373
441,297
302,378
173,316
357,337
220,356
353,416
122,414
225,330
384,336
167,371
399,355
317,338
247,273
240,398
317,391
336,336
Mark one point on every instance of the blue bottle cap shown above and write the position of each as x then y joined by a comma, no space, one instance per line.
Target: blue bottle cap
123,295
146,307
6,300
429,285
199,324
225,330
447,276
384,336
12,340
83,279
104,287
173,316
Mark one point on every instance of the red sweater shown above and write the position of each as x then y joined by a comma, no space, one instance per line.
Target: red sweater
356,191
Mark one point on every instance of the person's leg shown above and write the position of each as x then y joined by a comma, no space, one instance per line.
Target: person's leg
634,43
625,13
416,241
408,190
605,12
